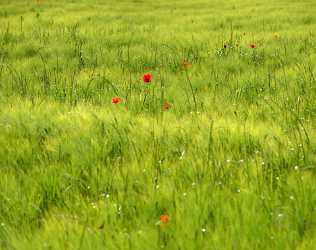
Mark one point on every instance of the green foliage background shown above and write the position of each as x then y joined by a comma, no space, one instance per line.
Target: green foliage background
232,163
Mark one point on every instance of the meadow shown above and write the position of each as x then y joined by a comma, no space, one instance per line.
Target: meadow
140,124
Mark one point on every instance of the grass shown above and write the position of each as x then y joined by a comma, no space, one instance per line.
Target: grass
231,162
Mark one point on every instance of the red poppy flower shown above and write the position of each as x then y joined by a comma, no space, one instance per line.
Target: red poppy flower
164,219
147,78
253,45
166,106
116,100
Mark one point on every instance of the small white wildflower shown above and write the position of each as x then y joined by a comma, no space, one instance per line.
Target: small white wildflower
280,215
203,230
262,163
228,161
157,186
238,190
241,161
296,168
107,196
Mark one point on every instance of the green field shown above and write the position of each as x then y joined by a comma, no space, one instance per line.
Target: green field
216,152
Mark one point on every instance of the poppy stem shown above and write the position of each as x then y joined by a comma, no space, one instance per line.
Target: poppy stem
162,97
192,90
